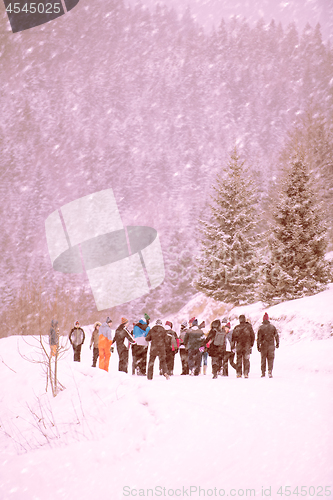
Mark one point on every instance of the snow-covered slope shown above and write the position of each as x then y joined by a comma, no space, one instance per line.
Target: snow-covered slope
310,317
112,435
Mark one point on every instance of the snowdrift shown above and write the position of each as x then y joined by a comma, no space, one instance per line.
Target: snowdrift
306,318
114,435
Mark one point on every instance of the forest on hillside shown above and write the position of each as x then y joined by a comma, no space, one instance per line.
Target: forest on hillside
149,104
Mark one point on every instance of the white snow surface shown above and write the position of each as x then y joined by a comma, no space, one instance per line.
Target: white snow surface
113,435
309,317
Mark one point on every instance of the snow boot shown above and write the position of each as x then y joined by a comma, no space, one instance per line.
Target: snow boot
270,375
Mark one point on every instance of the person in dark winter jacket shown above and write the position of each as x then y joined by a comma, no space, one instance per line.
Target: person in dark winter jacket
104,344
157,348
76,338
183,351
171,347
216,339
94,343
123,333
228,353
54,337
243,339
193,339
267,340
140,348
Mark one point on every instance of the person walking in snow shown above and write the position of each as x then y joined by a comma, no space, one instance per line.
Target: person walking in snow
140,348
76,338
243,338
204,352
192,340
94,343
267,340
157,348
171,347
183,351
216,339
123,333
54,337
104,344
228,353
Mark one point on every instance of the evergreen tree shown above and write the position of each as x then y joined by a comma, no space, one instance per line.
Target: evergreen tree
228,265
296,266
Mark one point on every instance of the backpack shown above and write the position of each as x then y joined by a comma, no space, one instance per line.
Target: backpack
219,339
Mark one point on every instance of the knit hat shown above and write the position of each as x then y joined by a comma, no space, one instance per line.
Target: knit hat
108,320
265,318
194,322
184,324
228,325
168,323
146,316
158,322
215,324
77,323
124,321
97,324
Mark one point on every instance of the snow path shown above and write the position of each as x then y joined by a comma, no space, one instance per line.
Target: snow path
187,432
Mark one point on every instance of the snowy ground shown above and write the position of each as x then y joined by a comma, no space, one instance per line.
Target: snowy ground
112,436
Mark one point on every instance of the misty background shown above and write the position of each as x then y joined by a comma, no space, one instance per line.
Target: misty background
149,99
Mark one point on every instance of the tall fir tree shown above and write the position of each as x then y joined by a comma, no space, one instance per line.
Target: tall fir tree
228,264
297,265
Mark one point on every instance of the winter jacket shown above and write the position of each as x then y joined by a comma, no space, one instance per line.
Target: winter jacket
182,334
53,337
216,337
94,339
140,332
193,337
106,331
243,336
157,337
121,334
77,336
267,335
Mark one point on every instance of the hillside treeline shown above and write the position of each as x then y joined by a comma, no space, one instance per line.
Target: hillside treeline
150,105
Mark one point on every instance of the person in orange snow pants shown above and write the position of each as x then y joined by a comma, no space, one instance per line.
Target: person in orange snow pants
104,345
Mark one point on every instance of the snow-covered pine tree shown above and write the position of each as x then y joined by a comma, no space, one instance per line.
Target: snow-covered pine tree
228,264
297,241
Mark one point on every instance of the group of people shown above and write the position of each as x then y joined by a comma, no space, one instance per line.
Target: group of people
194,346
